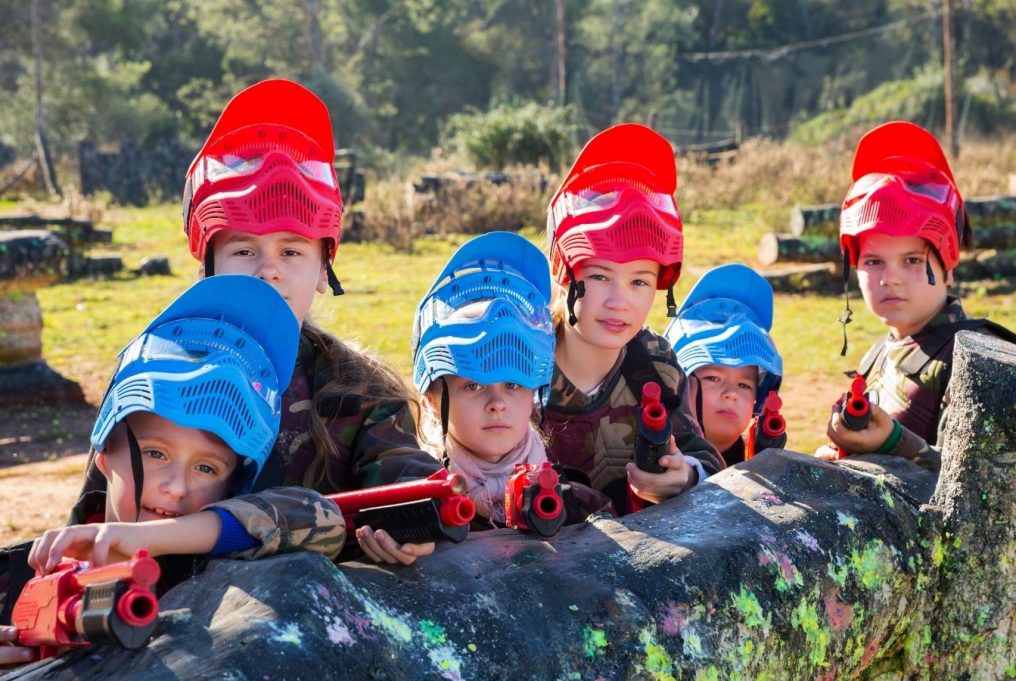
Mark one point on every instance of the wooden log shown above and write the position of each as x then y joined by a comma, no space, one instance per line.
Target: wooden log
999,237
823,219
814,278
782,567
973,624
781,248
991,210
987,265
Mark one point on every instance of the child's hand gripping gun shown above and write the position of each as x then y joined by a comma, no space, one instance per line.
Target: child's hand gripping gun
532,499
769,429
77,605
653,438
418,511
855,411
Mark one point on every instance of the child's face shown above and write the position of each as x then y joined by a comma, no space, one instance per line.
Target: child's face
488,420
728,399
616,301
185,469
293,265
892,273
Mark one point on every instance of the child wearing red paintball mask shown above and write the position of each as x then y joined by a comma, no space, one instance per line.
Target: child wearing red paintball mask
262,198
615,237
902,225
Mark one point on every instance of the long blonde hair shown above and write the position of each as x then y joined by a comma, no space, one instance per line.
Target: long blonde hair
342,368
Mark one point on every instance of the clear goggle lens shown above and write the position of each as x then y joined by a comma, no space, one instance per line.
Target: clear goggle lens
927,186
227,166
438,312
590,199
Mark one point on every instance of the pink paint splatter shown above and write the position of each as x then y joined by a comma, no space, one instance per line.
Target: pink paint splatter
338,633
839,613
767,538
675,619
765,557
809,541
769,499
869,652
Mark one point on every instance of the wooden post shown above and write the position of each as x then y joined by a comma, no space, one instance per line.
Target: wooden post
41,146
562,52
950,73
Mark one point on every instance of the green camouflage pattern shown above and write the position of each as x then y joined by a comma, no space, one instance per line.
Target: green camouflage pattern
910,379
287,519
376,439
596,433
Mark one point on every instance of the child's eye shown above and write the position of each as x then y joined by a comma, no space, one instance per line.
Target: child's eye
154,454
914,260
242,252
710,379
871,262
597,277
291,252
511,386
205,468
745,386
640,282
472,387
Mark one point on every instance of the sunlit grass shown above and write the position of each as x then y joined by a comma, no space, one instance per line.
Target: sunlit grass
727,210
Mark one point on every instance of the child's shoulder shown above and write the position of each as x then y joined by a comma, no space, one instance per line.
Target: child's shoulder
662,362
658,347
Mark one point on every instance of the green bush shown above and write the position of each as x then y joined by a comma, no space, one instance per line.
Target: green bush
508,135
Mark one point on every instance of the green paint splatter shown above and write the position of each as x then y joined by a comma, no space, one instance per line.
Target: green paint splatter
288,634
658,662
708,674
594,641
871,564
805,618
434,632
472,647
573,608
751,612
396,628
846,519
693,643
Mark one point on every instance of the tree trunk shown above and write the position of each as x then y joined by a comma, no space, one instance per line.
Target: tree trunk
41,144
561,53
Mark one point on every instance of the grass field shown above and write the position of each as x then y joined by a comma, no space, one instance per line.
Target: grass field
87,322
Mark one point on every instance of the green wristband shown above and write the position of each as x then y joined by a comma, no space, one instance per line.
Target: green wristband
893,439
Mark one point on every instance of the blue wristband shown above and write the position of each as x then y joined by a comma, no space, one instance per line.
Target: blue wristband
233,537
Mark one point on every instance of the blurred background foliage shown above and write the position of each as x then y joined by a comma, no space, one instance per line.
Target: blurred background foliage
503,82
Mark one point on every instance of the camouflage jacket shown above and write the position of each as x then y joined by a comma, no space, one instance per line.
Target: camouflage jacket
910,377
283,519
595,434
376,440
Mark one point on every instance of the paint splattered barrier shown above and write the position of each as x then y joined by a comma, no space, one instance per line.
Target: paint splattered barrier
782,568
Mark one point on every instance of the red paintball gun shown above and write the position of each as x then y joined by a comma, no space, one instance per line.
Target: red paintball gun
855,411
532,499
769,428
654,430
77,605
418,511
652,440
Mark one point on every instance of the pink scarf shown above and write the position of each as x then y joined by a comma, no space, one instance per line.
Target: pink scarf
487,481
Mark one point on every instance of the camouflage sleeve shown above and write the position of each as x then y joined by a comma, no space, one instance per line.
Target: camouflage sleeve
914,447
287,519
385,449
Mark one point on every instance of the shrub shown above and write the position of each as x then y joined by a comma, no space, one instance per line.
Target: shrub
529,134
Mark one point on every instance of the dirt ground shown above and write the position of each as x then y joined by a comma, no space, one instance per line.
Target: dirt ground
43,451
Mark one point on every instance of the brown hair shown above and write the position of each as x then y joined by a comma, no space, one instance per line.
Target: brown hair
343,368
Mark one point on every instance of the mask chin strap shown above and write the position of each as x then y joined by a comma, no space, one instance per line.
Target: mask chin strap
576,289
928,270
209,263
848,313
333,281
445,408
137,469
543,406
671,303
698,403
